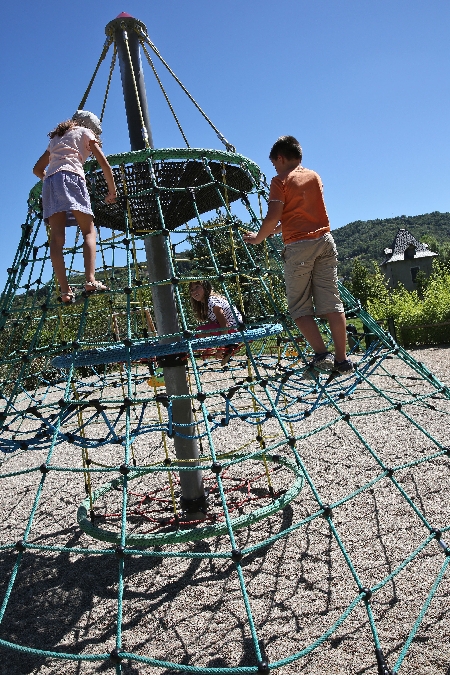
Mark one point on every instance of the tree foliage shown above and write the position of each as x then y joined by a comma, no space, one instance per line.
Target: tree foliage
251,276
365,284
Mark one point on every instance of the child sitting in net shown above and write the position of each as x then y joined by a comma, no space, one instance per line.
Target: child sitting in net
65,196
210,306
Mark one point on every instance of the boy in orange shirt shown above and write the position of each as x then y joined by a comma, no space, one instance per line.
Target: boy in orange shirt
310,256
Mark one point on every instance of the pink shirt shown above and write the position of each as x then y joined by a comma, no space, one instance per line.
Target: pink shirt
69,152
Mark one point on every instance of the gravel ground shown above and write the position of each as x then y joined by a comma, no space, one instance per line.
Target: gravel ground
191,610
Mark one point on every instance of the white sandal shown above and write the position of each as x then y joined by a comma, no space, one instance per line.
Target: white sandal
68,298
95,287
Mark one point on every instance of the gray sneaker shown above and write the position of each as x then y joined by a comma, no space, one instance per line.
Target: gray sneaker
323,362
344,367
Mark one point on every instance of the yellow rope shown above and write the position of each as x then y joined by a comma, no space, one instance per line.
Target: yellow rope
144,129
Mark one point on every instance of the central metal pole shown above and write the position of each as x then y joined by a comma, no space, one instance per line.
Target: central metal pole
158,264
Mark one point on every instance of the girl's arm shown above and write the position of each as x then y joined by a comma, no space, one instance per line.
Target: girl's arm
220,316
41,164
108,174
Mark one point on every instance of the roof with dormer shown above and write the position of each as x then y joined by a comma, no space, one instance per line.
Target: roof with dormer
404,239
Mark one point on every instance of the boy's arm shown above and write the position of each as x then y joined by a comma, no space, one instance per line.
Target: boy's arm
107,172
268,226
41,164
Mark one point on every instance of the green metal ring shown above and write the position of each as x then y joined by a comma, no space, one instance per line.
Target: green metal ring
193,534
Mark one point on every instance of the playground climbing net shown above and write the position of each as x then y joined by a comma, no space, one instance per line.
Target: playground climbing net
325,493
325,516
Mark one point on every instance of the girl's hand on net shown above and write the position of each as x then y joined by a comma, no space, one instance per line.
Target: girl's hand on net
111,198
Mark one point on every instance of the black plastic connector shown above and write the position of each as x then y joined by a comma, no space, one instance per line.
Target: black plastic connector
367,592
163,399
115,656
236,555
327,511
381,662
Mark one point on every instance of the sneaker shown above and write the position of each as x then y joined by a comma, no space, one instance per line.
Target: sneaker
344,367
227,354
323,362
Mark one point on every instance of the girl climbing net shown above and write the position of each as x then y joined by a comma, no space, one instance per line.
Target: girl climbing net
65,196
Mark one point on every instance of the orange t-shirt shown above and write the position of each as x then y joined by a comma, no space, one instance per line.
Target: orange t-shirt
304,213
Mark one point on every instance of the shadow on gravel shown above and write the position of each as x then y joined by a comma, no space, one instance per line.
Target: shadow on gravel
54,599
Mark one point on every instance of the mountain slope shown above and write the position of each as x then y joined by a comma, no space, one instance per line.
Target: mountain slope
367,239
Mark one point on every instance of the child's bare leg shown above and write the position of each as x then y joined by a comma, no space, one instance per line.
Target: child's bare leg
57,224
338,328
87,227
308,327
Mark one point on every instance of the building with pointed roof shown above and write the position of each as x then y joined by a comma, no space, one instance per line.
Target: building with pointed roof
405,259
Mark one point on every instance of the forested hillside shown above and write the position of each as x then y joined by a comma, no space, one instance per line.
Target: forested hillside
367,239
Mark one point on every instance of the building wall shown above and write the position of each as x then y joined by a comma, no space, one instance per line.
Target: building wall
400,271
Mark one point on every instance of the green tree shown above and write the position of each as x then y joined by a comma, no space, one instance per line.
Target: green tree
366,285
218,254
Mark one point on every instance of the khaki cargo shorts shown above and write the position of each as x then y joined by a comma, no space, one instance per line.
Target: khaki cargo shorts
310,272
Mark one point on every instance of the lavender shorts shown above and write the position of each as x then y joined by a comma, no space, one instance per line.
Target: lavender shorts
65,191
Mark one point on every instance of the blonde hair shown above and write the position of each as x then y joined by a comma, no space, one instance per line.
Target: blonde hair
62,127
200,309
67,125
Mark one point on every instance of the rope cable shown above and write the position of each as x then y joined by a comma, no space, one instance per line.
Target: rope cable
108,84
138,101
221,137
149,59
105,49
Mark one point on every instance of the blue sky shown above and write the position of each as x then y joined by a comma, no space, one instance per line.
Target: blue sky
363,85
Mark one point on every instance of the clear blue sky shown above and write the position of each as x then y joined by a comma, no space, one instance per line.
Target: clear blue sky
363,85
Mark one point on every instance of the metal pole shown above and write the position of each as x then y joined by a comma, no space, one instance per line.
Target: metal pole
166,316
122,29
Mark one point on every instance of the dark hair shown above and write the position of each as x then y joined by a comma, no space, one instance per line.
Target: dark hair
286,146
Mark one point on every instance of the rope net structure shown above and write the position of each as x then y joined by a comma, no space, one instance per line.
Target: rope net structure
88,434
324,520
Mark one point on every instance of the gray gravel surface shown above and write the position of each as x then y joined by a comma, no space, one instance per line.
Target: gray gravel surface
191,611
